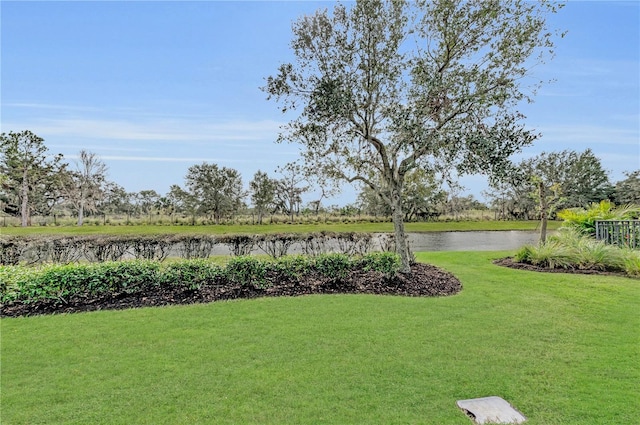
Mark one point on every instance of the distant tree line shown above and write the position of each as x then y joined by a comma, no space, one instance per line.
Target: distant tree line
553,181
33,182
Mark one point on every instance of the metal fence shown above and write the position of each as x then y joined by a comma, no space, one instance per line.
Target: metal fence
624,233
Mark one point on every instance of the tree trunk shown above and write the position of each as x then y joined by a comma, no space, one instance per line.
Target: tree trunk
543,212
81,213
402,246
24,207
543,228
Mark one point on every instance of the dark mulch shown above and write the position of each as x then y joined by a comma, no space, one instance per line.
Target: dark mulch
425,281
510,262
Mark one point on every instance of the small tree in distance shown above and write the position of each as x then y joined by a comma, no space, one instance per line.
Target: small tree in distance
85,187
386,87
627,191
289,189
263,192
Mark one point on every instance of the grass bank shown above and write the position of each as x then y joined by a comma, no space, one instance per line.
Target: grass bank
562,348
437,226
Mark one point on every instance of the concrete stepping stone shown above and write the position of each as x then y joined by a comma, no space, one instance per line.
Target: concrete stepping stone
491,410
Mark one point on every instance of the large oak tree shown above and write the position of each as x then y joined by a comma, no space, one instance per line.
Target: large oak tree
215,191
385,87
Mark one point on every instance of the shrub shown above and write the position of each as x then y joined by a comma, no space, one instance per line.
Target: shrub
584,220
523,255
588,252
59,282
552,254
292,266
385,262
193,273
592,254
54,281
335,266
247,270
631,262
568,236
124,276
12,281
570,249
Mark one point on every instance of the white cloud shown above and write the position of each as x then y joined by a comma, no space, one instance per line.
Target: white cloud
102,148
166,159
588,134
49,106
156,130
159,129
567,67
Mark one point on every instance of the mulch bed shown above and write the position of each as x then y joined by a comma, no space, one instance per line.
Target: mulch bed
425,281
510,262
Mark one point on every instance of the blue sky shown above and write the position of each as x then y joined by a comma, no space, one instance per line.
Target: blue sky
155,87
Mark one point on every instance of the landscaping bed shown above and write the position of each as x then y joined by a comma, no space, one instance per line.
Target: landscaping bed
425,280
514,264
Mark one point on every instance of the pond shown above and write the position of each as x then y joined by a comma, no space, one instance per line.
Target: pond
472,241
445,241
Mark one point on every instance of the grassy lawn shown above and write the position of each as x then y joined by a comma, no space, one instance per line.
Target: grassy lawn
564,349
280,228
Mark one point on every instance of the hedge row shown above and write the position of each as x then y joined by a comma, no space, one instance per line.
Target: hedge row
100,248
60,282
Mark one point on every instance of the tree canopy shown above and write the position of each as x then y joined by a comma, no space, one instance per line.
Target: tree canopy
31,179
579,178
263,193
385,87
627,191
213,190
85,186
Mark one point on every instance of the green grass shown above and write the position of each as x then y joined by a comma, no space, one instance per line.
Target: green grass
564,349
439,226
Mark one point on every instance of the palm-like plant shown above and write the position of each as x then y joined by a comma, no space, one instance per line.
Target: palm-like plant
584,220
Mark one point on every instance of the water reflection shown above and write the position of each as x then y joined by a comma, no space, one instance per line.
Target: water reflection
472,241
442,241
